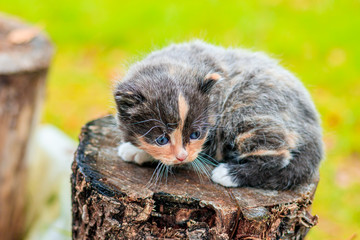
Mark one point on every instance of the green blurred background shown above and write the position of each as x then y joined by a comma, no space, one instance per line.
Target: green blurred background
318,40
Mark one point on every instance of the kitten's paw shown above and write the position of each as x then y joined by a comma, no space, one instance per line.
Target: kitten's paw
130,153
221,176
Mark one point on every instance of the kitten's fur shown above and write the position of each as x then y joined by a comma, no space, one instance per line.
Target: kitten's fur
253,116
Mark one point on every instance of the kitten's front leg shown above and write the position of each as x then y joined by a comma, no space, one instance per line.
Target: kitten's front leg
130,153
222,176
264,159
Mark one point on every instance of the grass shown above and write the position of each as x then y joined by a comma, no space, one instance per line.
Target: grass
316,39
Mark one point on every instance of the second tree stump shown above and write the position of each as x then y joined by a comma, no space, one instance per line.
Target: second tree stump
25,55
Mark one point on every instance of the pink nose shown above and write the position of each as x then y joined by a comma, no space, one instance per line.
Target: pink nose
182,156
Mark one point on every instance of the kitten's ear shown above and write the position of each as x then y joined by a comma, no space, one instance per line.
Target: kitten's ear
126,97
208,82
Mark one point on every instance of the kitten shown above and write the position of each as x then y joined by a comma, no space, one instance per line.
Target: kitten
194,99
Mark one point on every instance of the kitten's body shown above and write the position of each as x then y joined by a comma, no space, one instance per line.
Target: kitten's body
253,116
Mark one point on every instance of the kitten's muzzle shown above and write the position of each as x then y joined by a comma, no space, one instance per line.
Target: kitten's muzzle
182,155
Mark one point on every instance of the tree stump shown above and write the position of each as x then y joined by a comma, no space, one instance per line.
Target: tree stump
110,200
25,55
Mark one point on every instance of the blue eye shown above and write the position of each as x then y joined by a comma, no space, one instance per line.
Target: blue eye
195,135
162,140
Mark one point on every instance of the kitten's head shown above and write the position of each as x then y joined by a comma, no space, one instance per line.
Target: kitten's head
164,111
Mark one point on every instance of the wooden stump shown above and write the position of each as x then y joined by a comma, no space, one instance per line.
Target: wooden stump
110,200
24,59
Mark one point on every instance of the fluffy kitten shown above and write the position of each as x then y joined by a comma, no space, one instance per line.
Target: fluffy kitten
233,105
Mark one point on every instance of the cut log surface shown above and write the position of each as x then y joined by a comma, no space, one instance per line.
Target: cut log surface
111,200
25,55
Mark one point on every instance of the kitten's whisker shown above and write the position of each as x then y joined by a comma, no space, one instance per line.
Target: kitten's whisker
196,168
166,173
204,165
150,182
156,113
201,172
148,120
211,115
171,170
162,173
202,168
199,168
169,124
157,104
206,162
117,139
157,174
206,110
149,131
212,160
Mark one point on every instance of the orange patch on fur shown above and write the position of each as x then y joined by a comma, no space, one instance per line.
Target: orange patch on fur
264,152
213,76
176,136
162,153
193,148
292,139
242,137
176,142
183,110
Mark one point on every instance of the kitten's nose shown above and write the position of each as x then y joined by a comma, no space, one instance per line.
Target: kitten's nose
182,155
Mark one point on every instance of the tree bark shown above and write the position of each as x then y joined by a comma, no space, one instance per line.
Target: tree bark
110,200
24,58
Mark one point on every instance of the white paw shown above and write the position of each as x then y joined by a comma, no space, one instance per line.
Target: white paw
221,176
130,153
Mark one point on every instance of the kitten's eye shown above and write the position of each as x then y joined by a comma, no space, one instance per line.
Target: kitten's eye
195,135
162,140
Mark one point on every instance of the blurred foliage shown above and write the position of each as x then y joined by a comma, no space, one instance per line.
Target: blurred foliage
316,39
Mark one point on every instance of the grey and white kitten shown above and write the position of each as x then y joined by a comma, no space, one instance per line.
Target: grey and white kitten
194,99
